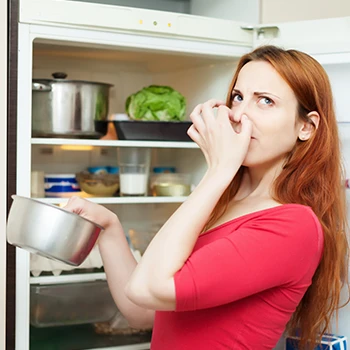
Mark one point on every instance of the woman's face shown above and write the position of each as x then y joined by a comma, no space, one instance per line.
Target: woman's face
269,102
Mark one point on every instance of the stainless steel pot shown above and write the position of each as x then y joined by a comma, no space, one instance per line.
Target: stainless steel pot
69,108
50,231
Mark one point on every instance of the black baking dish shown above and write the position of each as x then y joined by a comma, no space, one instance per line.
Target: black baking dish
152,130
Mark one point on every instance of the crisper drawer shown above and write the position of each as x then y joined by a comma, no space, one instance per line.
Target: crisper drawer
70,304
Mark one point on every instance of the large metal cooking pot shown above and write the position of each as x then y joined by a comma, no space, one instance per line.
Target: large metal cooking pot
69,108
50,231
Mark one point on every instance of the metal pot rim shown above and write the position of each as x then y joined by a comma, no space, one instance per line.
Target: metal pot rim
14,196
55,81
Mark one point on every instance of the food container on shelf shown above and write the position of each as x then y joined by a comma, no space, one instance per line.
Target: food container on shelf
70,304
164,169
61,185
98,169
39,264
113,169
103,169
69,108
37,184
98,184
152,130
50,231
171,184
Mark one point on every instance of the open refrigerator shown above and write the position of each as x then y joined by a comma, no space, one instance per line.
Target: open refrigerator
130,48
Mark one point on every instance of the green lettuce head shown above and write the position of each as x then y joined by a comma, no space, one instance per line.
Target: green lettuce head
156,103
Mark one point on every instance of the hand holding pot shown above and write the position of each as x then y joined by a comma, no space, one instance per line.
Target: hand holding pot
93,212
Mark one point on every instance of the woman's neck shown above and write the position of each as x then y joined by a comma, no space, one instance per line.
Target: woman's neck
257,181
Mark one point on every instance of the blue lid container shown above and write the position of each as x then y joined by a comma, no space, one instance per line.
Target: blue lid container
98,169
164,169
113,169
56,184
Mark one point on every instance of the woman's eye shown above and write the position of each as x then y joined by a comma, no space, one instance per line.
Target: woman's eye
237,98
266,101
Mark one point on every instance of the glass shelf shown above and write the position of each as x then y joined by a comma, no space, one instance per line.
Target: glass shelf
112,143
119,200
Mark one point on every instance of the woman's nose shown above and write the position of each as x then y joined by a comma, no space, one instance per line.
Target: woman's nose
239,110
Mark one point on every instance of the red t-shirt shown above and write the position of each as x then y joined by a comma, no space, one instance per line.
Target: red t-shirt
242,282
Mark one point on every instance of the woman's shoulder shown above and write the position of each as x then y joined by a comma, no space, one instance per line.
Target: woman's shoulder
268,213
287,214
296,221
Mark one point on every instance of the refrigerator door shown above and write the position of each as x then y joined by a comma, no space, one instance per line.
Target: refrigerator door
326,39
3,169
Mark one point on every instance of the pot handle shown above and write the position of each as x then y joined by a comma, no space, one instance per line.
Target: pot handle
41,87
59,75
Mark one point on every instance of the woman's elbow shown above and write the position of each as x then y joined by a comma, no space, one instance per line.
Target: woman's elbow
160,298
136,294
144,321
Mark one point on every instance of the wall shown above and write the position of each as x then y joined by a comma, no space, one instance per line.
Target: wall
3,119
236,10
298,10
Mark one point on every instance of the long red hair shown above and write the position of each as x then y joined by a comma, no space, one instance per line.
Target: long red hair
312,175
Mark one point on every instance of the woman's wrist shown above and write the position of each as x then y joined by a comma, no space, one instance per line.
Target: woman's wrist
112,227
219,178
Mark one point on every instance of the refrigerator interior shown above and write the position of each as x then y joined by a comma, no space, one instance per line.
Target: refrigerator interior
198,78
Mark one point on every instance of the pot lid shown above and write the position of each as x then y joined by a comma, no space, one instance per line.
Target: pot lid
60,77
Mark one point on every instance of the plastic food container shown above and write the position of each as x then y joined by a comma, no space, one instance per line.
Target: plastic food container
39,264
61,185
98,170
164,169
171,185
99,184
69,304
152,130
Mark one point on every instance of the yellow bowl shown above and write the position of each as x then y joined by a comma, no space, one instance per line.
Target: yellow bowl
102,185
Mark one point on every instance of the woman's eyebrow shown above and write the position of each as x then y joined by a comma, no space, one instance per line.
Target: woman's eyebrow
265,93
256,93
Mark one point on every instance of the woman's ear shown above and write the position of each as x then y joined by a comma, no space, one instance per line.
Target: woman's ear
309,127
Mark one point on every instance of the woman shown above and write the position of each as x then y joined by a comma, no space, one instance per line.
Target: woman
260,244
